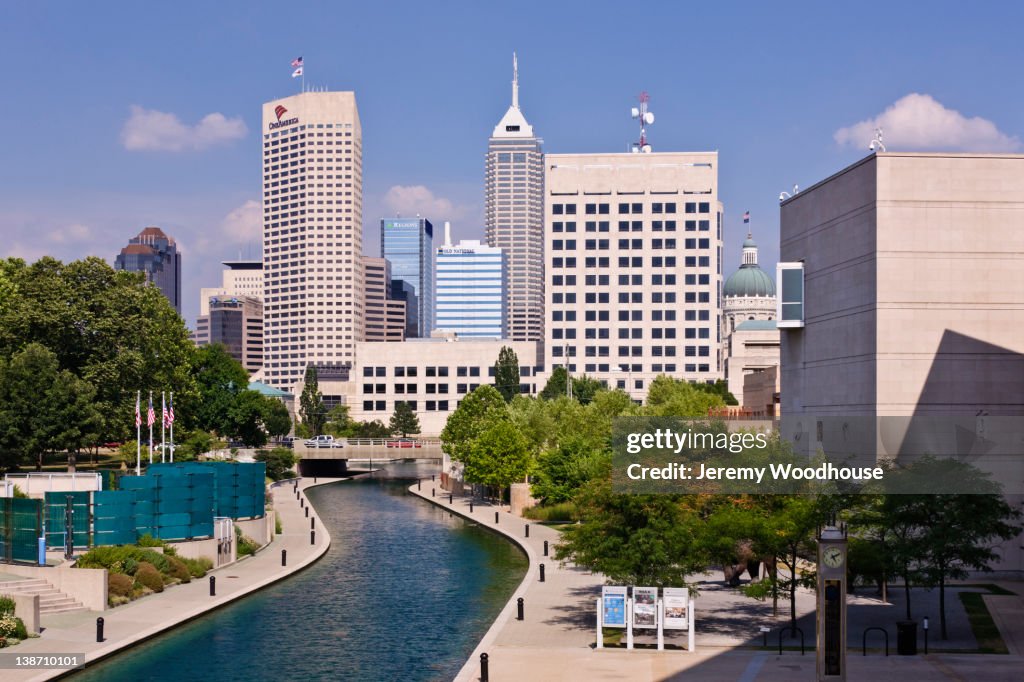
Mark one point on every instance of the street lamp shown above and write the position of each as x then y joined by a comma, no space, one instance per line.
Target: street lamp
876,144
787,195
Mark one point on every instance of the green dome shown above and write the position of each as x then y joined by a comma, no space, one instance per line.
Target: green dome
749,280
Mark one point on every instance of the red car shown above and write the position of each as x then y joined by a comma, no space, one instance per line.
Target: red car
403,443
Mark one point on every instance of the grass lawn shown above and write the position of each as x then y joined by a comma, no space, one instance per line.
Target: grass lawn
984,628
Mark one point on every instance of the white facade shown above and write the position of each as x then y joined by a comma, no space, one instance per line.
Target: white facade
239,278
514,217
470,290
312,235
633,246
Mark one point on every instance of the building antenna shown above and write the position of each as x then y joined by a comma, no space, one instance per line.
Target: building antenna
646,119
515,81
876,144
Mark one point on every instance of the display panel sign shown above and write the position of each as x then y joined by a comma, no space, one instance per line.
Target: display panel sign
676,601
613,599
645,607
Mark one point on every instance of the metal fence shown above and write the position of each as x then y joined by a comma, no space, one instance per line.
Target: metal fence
56,518
21,526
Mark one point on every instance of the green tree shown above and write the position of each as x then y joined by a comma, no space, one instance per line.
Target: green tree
506,374
719,388
276,419
556,384
250,419
475,413
279,462
403,420
634,539
585,388
499,456
193,445
338,423
668,397
219,380
129,455
370,429
311,403
565,468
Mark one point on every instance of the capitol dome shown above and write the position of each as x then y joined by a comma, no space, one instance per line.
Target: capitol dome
750,280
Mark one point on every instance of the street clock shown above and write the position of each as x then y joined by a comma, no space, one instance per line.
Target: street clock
831,614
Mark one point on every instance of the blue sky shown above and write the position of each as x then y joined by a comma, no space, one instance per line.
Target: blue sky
768,85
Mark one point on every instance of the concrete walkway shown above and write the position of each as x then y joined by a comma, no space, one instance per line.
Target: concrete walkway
555,639
75,633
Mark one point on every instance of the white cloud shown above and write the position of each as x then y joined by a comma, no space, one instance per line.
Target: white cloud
75,233
919,122
245,223
417,199
151,130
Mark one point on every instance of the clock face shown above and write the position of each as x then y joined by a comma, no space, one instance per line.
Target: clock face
833,557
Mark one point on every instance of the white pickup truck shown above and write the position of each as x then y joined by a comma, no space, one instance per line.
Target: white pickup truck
324,442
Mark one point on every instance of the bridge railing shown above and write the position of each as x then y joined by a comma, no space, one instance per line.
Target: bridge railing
382,442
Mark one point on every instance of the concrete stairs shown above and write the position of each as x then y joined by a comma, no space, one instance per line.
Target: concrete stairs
51,600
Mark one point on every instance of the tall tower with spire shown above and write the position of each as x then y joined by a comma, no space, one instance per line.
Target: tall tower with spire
514,216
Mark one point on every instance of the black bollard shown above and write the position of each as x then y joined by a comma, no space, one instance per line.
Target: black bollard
284,557
432,477
312,524
471,506
484,677
433,492
519,608
301,504
99,629
542,572
213,586
450,498
419,485
496,517
307,512
312,537
314,480
545,548
527,530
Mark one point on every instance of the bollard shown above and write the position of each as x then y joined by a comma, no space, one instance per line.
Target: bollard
450,498
496,517
471,506
301,504
483,668
432,477
545,548
284,557
527,530
312,524
307,512
99,629
433,492
314,480
542,572
213,586
419,485
519,608
312,537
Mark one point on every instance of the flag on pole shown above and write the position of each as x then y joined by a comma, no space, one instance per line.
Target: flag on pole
297,72
163,409
138,413
297,62
170,411
746,218
150,414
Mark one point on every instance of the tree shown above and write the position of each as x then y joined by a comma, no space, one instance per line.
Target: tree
634,539
475,413
556,385
370,429
219,379
719,388
506,374
565,468
279,462
253,417
499,457
404,421
276,419
338,423
668,397
585,388
311,403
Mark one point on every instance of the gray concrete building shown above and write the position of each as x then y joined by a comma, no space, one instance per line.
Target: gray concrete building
385,316
235,322
156,255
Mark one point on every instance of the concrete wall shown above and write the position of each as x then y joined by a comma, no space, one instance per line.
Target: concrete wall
261,530
197,549
520,498
26,607
759,389
87,585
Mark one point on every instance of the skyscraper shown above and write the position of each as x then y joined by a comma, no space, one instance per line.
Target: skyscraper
385,315
312,235
514,216
154,253
236,322
408,244
470,289
634,262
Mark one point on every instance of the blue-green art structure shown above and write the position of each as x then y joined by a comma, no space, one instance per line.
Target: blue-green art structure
21,525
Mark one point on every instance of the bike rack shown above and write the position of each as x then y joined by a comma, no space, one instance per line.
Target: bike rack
864,641
795,630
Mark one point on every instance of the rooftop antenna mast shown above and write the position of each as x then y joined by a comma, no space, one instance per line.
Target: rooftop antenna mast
646,118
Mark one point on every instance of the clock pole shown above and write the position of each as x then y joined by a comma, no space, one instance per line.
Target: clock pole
831,615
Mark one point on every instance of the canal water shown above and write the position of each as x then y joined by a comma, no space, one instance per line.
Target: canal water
404,593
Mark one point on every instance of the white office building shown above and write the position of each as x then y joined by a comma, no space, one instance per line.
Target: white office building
312,236
470,289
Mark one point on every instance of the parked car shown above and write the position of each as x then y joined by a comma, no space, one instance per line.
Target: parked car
404,443
113,445
324,442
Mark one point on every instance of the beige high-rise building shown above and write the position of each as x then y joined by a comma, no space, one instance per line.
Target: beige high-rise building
312,236
385,316
633,246
239,278
514,216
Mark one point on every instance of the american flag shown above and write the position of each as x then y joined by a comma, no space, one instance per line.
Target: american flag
746,218
170,411
296,62
150,414
163,410
138,414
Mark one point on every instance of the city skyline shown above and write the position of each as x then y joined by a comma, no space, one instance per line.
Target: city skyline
136,140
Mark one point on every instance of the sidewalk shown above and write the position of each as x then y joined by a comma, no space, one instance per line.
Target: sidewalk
75,632
555,639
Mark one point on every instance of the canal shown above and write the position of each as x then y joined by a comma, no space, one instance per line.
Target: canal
405,592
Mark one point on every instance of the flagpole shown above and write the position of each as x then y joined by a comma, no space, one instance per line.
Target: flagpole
163,427
150,422
138,433
172,426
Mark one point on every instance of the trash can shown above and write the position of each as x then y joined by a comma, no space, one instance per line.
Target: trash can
906,638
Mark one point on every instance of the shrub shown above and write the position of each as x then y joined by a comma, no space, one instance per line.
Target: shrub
20,631
148,540
179,570
119,585
561,512
6,605
277,523
198,567
131,565
8,625
149,577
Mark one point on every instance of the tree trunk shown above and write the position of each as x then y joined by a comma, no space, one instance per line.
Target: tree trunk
906,590
885,588
72,461
942,604
775,588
